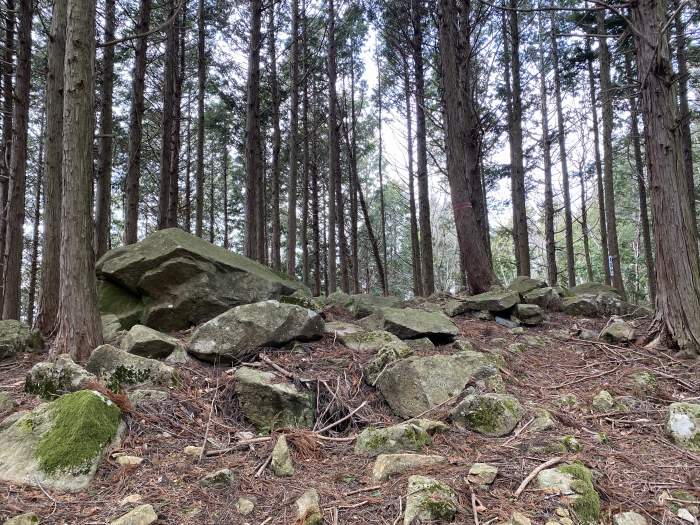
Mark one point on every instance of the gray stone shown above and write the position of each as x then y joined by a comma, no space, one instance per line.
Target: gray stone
583,305
618,332
573,482
117,367
245,506
141,515
59,445
496,301
628,518
683,424
644,383
50,379
429,500
308,509
414,385
112,331
410,323
420,345
281,462
396,438
528,314
338,328
147,342
6,403
387,465
482,474
386,355
508,323
219,479
17,337
546,298
310,303
23,519
270,403
367,341
183,280
523,284
120,308
145,396
244,330
593,288
493,415
363,305
543,421
603,401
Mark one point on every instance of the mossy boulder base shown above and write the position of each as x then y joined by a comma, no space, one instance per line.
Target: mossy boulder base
496,301
181,280
242,331
59,444
117,367
429,501
411,323
492,415
17,337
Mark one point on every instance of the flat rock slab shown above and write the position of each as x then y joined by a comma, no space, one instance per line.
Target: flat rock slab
523,284
497,301
244,330
387,465
147,342
117,367
411,323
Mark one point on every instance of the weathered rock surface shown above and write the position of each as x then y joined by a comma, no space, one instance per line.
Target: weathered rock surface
429,500
28,518
574,483
308,509
339,328
629,518
281,462
244,330
528,314
412,386
384,357
523,284
6,403
411,323
269,403
492,415
117,367
119,304
59,444
147,342
603,401
183,280
496,301
219,479
482,474
141,515
17,337
367,341
396,438
546,298
592,288
387,465
683,424
618,332
601,305
50,379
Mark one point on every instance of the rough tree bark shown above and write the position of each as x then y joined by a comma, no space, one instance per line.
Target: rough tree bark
305,268
333,149
34,266
293,141
382,208
201,86
167,119
276,240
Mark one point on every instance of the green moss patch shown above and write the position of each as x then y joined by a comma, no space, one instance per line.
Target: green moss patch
587,503
84,423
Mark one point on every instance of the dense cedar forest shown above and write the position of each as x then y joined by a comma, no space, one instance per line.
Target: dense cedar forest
395,147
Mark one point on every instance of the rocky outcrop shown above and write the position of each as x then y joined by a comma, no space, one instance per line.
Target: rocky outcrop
17,337
414,385
59,445
147,342
181,280
523,284
410,323
493,415
50,379
496,301
117,367
244,330
270,403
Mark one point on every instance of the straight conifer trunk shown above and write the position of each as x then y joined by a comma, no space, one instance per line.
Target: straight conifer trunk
276,146
201,86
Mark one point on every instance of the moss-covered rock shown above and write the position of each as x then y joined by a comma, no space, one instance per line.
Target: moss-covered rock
628,518
495,301
386,355
528,314
603,401
644,383
523,284
338,328
242,331
59,444
482,474
17,337
618,332
117,367
411,323
270,403
397,438
546,298
310,303
367,341
387,465
429,500
147,342
414,385
308,509
218,479
28,518
683,424
50,379
281,462
574,483
592,288
125,306
493,415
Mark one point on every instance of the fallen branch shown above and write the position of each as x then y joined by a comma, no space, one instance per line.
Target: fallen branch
345,418
245,443
534,473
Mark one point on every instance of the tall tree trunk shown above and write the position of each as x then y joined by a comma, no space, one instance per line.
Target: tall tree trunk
598,164
563,154
426,236
584,227
550,244
415,244
225,199
511,46
355,260
315,219
382,209
53,149
305,269
104,162
212,207
8,106
606,101
686,138
79,326
34,266
677,263
133,175
641,182
293,140
253,147
333,148
174,164
167,120
276,145
201,87
188,166
463,141
14,240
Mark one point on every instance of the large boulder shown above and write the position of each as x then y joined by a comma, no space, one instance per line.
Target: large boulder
59,445
593,288
410,323
270,403
683,424
528,314
50,379
493,415
117,367
408,436
546,298
602,305
414,385
495,301
183,280
17,337
244,330
523,284
119,304
147,342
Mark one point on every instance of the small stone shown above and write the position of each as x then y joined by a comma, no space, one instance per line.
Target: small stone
618,332
685,515
191,450
543,420
483,315
644,383
218,479
422,344
245,506
387,465
603,401
492,415
396,438
308,510
528,314
281,462
571,444
629,518
129,460
517,348
428,500
147,342
131,499
574,483
518,330
588,335
482,474
141,515
568,400
6,403
28,518
518,518
683,424
506,322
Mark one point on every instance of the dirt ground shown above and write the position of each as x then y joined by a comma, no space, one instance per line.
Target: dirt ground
633,460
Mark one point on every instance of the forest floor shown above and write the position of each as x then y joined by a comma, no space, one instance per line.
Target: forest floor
635,464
